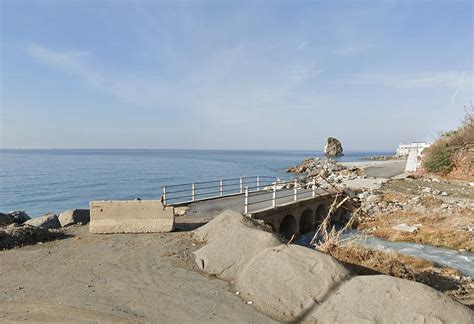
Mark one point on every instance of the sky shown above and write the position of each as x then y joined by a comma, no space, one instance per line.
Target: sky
232,74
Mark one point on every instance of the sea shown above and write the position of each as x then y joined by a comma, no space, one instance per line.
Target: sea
51,181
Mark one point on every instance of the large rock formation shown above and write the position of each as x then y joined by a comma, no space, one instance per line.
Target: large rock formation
333,147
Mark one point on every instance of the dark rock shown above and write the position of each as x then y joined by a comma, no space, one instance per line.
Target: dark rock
74,216
333,147
20,235
19,216
6,219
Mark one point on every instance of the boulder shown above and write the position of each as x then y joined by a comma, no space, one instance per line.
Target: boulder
386,299
74,216
6,219
288,280
48,221
232,241
333,147
19,216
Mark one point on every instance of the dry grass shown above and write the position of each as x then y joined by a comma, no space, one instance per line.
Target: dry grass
365,261
390,263
331,238
437,229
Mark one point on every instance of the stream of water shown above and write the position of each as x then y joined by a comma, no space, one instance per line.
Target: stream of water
463,261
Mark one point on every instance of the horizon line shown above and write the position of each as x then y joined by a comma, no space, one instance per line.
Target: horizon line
189,149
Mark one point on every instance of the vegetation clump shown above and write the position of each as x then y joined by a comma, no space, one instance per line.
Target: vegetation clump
454,150
439,158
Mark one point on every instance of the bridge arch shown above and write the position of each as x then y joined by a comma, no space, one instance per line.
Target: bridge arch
321,212
306,221
288,227
340,215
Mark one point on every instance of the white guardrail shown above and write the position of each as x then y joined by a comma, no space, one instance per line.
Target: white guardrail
281,191
260,192
203,190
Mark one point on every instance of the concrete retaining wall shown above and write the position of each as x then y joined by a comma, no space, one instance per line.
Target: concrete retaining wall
130,216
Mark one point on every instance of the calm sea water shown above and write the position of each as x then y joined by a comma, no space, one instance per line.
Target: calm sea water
41,181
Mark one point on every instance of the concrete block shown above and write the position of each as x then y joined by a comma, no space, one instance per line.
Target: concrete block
130,216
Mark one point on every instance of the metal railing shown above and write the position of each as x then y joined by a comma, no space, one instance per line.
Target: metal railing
202,190
260,192
280,191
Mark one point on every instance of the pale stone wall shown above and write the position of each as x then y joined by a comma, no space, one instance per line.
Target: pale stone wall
130,216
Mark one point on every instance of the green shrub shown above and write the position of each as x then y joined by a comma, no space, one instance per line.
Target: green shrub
439,158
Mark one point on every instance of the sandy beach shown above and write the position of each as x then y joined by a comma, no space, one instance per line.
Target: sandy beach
114,278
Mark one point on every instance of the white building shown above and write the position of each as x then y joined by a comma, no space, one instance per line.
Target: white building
413,153
404,149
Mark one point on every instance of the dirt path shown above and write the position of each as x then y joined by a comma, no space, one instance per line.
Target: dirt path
114,278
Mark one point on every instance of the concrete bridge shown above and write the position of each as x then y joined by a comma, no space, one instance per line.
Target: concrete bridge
289,207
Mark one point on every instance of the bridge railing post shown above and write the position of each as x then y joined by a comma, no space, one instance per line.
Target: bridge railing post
246,209
193,191
221,187
314,188
164,195
274,195
258,183
241,185
295,190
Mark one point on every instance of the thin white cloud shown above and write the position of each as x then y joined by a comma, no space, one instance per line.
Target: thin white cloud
447,79
130,89
70,62
233,81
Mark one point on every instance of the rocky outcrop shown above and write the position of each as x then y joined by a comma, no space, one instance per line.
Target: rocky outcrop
314,166
48,221
333,147
74,216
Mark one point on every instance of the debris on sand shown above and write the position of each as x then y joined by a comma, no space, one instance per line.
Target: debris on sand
19,235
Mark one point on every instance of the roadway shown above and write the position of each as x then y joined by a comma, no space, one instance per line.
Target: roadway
258,200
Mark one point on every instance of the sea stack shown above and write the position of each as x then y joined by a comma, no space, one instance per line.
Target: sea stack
333,147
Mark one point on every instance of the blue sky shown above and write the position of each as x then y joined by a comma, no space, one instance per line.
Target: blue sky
232,74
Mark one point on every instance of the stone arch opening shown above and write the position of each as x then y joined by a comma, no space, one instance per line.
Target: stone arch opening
306,221
320,214
288,227
340,216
